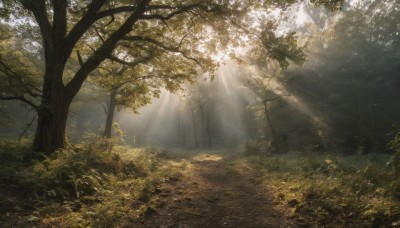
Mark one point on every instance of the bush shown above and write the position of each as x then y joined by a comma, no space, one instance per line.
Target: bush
394,162
357,190
88,185
68,174
13,156
255,147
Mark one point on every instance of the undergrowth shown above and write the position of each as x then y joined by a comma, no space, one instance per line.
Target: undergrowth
91,185
331,190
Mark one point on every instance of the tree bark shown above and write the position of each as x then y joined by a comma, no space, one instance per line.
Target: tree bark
58,46
110,115
52,121
56,98
53,111
50,131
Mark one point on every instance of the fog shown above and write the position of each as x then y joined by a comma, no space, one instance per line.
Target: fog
212,113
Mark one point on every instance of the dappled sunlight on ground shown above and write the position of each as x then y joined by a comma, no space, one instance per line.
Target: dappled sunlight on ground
207,157
177,163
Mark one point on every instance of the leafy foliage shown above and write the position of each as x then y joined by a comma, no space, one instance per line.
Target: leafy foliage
82,37
89,185
330,4
19,68
281,49
349,79
321,188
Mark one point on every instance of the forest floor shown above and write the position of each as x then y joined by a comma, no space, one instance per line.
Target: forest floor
212,193
144,187
184,190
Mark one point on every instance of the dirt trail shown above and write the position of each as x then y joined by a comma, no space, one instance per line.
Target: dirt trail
211,194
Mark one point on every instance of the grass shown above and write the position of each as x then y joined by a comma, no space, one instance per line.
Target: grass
87,186
95,185
331,190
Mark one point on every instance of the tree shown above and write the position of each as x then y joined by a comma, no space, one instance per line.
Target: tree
133,87
351,77
64,27
268,59
67,26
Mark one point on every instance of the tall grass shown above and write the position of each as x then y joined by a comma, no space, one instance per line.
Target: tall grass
333,190
91,184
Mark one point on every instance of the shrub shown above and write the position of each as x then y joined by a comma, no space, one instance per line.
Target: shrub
68,174
255,147
354,191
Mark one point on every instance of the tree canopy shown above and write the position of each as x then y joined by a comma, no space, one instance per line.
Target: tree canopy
78,37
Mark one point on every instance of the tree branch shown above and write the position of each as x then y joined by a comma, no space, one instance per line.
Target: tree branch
82,26
38,8
27,127
98,34
157,7
20,98
80,60
116,87
105,69
163,46
133,63
11,74
104,50
112,12
60,19
180,10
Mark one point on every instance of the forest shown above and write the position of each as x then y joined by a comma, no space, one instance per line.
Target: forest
200,113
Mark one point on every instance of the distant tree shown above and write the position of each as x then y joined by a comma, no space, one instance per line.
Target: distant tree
267,60
84,115
197,104
133,87
351,75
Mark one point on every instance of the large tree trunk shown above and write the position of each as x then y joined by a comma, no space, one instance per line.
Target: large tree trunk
58,47
50,131
110,115
53,112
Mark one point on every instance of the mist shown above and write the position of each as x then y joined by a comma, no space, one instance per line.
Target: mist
210,114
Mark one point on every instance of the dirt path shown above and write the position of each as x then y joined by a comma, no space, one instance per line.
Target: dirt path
212,194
